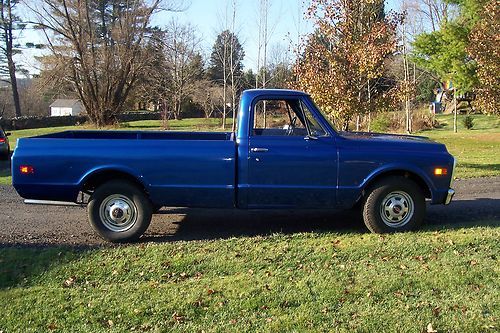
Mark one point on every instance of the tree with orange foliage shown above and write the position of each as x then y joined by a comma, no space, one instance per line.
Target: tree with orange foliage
484,47
343,59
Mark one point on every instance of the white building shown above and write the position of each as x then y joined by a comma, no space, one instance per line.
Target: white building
66,107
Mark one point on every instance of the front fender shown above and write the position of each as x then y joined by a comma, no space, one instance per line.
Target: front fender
391,167
350,194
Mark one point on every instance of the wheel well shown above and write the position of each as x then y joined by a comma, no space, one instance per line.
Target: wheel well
402,173
98,178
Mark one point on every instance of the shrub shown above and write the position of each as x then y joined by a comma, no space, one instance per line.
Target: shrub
381,123
468,122
423,121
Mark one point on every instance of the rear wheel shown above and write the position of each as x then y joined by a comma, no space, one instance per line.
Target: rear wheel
119,211
394,204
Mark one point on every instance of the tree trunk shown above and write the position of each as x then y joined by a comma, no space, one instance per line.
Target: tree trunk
13,84
9,52
455,112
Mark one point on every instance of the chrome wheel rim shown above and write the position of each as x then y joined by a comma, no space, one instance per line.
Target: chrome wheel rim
397,209
118,213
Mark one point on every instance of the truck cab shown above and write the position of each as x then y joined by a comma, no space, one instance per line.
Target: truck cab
287,154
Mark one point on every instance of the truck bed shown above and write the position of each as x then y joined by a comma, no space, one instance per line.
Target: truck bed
139,135
176,168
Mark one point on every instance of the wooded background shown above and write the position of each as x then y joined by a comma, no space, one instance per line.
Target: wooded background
367,68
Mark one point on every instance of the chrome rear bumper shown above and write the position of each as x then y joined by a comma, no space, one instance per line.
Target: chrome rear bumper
451,193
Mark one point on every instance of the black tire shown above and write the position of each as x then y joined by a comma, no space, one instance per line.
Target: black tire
394,204
115,200
6,156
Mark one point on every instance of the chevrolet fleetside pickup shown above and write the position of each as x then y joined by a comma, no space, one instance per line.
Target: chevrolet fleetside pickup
283,155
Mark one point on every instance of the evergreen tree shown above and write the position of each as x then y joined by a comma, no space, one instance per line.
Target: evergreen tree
10,26
227,52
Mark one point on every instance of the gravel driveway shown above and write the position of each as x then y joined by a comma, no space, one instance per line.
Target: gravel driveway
477,200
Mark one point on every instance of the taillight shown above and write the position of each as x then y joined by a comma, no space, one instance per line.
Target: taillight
2,140
26,169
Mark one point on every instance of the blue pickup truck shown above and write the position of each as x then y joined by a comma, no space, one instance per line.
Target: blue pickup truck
283,155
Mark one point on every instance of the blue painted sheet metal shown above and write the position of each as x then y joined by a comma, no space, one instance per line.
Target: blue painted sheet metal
215,170
174,172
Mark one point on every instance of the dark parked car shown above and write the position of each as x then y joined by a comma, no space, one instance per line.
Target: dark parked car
4,145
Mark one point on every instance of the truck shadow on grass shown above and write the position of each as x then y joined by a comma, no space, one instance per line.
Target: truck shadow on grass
197,224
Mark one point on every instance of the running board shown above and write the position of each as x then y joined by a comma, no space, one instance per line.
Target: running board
51,203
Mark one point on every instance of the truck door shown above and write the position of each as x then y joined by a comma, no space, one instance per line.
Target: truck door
292,160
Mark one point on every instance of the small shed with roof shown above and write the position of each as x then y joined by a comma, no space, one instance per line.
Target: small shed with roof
66,107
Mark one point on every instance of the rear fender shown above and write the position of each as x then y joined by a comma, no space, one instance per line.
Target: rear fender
105,173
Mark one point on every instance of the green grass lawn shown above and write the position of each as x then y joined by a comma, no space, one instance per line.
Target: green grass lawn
305,282
477,150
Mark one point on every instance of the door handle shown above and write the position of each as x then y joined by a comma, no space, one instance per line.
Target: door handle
259,150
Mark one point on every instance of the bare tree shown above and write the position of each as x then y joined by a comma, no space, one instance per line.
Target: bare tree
99,48
183,64
209,96
226,68
429,14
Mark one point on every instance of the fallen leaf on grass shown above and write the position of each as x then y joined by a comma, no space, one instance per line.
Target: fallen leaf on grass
178,318
69,282
430,329
436,311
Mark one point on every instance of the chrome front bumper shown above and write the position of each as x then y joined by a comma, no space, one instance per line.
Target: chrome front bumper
451,193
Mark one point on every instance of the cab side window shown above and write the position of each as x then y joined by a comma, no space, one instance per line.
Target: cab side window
278,118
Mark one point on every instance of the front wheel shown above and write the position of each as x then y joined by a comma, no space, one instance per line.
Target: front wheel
394,204
119,211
